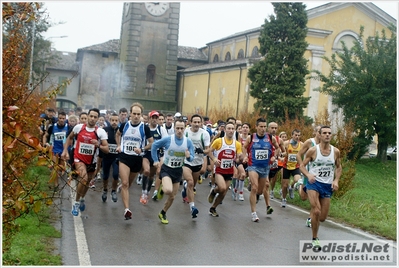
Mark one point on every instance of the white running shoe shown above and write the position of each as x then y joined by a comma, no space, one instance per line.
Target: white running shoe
271,194
255,217
241,197
283,203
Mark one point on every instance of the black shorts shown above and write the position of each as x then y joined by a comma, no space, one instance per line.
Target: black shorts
90,168
226,177
288,173
148,156
273,172
174,173
134,162
194,168
245,165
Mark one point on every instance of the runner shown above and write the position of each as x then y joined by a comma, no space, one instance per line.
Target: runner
89,138
177,149
227,150
192,169
130,138
323,177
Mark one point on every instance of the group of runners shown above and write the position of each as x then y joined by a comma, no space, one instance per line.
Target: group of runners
169,152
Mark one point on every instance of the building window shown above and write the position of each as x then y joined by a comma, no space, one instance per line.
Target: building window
150,80
216,58
65,104
227,57
255,52
240,54
105,55
62,83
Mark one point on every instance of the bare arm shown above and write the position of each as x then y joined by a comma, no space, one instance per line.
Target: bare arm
310,156
338,169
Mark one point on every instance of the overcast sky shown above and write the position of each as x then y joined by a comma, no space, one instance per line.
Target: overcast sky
90,23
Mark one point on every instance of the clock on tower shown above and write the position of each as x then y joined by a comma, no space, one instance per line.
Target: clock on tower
156,8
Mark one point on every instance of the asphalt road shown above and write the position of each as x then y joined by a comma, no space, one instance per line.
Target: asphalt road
101,236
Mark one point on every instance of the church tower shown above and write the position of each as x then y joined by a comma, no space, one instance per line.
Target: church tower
148,56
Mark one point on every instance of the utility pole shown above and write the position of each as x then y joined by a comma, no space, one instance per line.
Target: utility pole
30,86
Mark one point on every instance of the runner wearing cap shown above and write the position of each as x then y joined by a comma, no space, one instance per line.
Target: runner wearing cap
148,170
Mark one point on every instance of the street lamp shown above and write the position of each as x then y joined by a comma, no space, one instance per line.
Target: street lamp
60,36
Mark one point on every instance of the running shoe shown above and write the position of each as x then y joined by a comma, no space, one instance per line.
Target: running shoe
155,195
75,209
194,212
271,194
200,179
297,184
316,244
269,210
233,194
255,217
195,190
283,203
92,184
160,193
82,205
309,222
143,199
241,197
211,196
291,192
163,219
114,197
104,196
139,179
127,214
213,212
153,183
257,198
119,189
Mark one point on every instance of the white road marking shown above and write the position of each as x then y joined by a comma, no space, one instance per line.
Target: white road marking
81,242
83,249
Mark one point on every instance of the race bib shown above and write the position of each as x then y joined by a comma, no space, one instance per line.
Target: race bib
175,162
59,136
112,148
326,172
226,163
86,148
261,154
129,146
292,158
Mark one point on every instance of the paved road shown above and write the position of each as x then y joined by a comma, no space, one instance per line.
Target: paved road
105,238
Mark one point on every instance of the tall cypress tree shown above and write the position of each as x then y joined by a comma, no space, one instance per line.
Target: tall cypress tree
278,79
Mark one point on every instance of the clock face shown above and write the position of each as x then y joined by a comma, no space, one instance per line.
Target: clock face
156,8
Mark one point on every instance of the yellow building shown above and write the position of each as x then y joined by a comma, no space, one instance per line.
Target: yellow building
223,82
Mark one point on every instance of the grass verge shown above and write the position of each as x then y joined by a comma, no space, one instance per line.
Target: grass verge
33,242
371,204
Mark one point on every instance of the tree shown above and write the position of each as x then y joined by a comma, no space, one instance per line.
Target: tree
29,27
278,79
362,81
21,117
